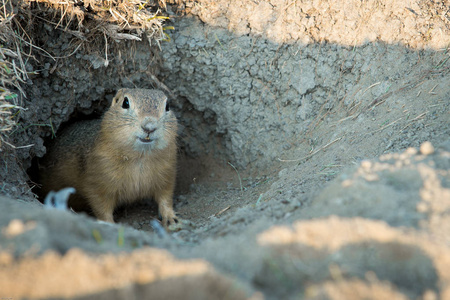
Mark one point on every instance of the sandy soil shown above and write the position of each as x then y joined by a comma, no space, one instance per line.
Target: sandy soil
329,180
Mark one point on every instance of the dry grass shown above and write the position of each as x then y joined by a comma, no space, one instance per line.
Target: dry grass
12,72
116,19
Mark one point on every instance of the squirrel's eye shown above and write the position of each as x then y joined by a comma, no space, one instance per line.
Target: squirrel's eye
126,103
167,106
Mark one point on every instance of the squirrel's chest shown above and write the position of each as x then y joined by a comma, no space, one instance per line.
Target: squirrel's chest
137,179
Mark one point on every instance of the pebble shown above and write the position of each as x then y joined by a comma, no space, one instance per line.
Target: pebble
426,148
366,165
411,151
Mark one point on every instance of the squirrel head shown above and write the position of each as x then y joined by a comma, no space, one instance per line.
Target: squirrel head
142,119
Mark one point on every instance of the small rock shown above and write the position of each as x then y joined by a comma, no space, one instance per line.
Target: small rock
426,148
372,177
422,207
282,173
135,224
411,151
347,183
366,164
17,227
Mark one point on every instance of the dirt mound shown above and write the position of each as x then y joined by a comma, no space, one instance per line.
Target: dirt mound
387,233
401,254
140,274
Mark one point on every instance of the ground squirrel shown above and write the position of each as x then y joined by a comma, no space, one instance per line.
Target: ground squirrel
128,155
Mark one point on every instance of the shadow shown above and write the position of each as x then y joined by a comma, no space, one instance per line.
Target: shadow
195,287
278,100
291,268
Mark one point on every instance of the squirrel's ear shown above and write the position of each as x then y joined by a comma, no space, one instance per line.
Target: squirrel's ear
118,96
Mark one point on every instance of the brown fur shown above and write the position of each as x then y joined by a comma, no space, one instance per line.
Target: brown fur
112,161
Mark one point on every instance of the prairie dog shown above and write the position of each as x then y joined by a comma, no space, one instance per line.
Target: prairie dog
128,155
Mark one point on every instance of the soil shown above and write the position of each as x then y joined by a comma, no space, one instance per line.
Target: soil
314,158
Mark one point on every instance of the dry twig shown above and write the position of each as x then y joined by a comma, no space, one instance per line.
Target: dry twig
313,153
220,212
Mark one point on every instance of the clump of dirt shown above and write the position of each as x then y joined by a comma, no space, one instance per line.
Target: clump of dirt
142,273
314,156
376,222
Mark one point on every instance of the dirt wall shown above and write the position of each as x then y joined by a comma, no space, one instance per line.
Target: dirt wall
249,89
269,89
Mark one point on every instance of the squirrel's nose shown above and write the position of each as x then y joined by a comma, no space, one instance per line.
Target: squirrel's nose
149,128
